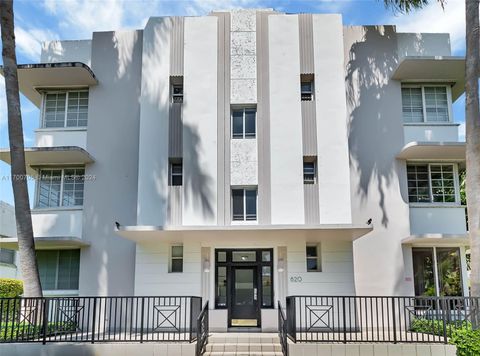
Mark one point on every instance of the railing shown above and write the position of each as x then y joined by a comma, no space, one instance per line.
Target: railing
282,330
379,319
202,329
99,319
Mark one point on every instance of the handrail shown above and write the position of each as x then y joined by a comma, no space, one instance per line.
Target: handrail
99,319
202,330
353,319
282,329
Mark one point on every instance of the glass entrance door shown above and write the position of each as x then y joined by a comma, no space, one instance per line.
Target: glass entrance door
245,308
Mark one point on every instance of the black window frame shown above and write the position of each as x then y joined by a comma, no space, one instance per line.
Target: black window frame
317,257
173,176
228,263
309,177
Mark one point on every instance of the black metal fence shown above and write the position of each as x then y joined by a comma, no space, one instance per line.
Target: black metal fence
202,328
378,319
282,329
99,319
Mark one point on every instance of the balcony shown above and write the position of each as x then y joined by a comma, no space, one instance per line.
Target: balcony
430,132
427,219
64,136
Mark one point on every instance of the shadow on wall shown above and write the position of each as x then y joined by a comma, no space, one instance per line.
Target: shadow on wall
368,71
197,186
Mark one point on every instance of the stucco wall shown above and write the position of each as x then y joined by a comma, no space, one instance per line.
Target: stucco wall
107,266
244,162
286,152
154,111
200,122
438,133
66,51
331,115
61,222
61,137
378,180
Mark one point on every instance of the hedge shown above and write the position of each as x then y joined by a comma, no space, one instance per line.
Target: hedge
10,288
459,333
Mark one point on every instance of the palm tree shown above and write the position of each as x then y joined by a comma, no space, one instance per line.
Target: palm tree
26,243
472,119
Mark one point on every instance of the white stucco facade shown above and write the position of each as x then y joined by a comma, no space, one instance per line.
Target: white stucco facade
171,169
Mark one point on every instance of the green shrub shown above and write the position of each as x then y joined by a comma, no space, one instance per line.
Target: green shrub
435,327
10,288
27,331
467,342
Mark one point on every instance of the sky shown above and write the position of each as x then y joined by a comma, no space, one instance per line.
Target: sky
37,21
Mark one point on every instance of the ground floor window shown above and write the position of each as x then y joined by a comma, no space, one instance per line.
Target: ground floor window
437,271
58,269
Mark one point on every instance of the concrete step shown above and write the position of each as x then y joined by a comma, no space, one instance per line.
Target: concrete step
243,338
243,347
263,353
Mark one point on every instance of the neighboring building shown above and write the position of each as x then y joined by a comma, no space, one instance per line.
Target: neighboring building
246,156
8,257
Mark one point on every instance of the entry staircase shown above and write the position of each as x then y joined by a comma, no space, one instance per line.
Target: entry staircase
243,344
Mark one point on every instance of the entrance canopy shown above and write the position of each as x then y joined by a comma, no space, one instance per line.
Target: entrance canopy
247,233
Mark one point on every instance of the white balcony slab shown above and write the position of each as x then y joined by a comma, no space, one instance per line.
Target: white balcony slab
34,77
433,151
50,156
433,69
56,137
61,222
437,219
428,132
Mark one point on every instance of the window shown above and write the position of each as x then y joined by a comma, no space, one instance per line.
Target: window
60,187
177,93
309,172
244,123
313,258
437,271
306,89
58,269
432,183
425,104
65,109
176,173
244,204
7,256
176,259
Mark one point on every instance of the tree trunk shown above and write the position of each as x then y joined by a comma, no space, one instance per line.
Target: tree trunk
26,244
472,121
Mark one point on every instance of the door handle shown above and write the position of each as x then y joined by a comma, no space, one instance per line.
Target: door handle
254,293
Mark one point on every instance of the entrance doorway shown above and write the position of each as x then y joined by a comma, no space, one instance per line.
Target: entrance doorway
244,284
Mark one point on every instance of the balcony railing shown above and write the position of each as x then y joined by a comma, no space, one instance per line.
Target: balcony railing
378,319
99,319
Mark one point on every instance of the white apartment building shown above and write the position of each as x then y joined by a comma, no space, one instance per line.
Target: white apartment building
246,156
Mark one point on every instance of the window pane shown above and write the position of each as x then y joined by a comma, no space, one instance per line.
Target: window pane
49,188
222,256
7,256
251,204
237,124
221,286
312,264
176,174
412,107
424,279
449,272
177,265
312,251
250,128
68,269
237,204
418,184
73,187
267,286
436,104
47,268
309,172
266,256
244,256
177,251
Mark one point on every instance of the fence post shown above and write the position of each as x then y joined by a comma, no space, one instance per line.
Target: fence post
45,319
94,317
344,322
444,315
141,320
393,320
